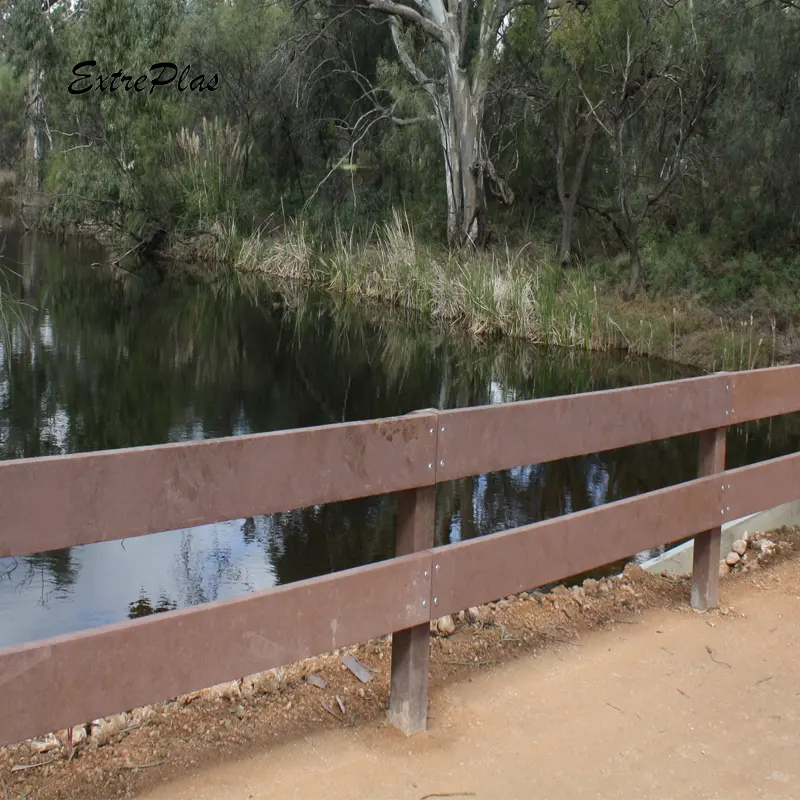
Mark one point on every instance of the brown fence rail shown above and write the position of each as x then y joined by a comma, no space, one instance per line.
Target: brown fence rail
62,501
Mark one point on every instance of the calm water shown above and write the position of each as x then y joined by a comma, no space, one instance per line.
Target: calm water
100,359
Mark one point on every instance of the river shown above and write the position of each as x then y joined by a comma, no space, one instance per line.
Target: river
96,358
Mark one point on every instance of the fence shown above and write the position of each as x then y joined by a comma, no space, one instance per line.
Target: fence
62,501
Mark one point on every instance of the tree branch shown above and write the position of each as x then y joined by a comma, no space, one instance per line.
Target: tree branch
409,15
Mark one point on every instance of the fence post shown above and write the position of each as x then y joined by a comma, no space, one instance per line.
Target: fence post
705,567
411,648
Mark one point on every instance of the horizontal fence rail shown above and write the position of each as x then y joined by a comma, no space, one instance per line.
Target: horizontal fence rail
62,501
473,441
483,569
57,682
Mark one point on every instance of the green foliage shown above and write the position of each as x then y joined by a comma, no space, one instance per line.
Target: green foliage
281,138
12,112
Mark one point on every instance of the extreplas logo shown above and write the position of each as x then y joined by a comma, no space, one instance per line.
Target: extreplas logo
166,71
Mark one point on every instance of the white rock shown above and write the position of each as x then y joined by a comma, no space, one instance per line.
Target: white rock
732,559
119,721
102,731
50,742
445,625
267,682
231,690
473,614
144,713
739,547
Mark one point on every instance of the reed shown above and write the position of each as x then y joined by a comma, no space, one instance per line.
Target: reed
518,293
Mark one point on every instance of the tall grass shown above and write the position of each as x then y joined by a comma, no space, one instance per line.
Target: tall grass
10,312
516,293
506,292
207,166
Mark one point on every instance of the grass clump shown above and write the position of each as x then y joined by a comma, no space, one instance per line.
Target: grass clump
520,294
494,292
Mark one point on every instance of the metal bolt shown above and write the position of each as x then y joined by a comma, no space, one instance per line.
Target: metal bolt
436,567
430,430
430,466
436,601
426,573
424,603
441,463
723,488
727,413
733,411
727,508
442,428
721,511
729,486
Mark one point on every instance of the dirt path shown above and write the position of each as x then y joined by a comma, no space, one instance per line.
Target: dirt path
618,691
676,705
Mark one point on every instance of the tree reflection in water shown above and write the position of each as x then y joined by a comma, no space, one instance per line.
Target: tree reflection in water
102,360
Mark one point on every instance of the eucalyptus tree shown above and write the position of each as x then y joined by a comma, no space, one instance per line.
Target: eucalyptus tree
29,40
450,49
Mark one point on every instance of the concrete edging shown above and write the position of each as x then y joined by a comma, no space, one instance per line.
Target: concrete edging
678,561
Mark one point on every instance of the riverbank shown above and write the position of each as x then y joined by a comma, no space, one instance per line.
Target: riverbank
220,730
516,293
513,292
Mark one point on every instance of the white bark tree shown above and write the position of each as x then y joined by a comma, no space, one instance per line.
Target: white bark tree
457,94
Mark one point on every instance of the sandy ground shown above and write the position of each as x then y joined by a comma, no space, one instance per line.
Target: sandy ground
620,691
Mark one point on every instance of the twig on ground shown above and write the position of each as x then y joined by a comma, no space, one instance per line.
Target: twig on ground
331,711
450,794
560,641
717,661
611,705
684,694
467,663
129,728
764,680
20,767
144,766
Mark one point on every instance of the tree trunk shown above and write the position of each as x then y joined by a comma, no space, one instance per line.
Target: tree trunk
466,202
569,197
635,267
33,153
567,220
458,105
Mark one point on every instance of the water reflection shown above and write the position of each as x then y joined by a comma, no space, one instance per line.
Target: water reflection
100,359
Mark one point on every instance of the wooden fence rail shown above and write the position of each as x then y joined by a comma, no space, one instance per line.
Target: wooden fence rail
62,501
